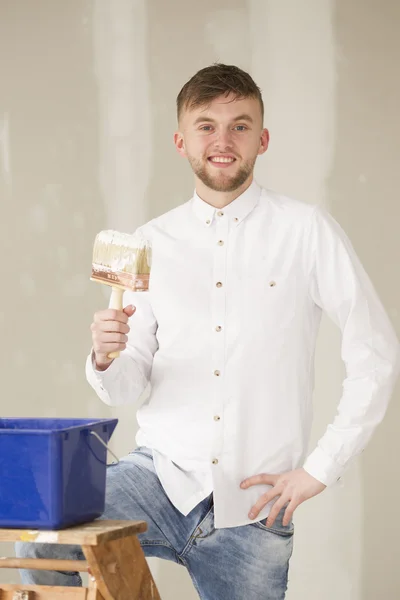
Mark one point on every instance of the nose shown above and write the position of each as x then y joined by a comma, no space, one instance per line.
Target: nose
224,139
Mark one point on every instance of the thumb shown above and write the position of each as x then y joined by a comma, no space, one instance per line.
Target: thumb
129,310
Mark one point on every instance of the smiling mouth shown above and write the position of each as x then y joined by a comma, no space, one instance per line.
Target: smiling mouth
220,161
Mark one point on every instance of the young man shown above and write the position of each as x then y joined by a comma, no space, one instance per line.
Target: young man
226,337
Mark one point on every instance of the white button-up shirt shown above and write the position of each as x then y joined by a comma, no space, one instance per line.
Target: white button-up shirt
226,337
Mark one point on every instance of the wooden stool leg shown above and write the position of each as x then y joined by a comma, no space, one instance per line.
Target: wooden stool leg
93,590
121,571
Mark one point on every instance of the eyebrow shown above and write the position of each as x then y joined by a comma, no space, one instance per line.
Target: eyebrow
243,117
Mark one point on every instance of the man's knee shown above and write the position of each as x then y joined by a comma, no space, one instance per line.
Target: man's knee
26,550
55,551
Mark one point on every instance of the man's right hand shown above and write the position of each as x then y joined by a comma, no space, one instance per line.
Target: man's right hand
109,334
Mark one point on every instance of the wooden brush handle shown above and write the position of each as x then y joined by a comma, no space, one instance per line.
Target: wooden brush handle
116,302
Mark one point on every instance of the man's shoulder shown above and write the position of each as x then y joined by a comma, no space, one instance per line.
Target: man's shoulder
171,217
286,204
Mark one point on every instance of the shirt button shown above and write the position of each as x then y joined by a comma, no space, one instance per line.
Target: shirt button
217,373
218,284
218,328
215,461
220,213
221,243
236,219
208,222
217,418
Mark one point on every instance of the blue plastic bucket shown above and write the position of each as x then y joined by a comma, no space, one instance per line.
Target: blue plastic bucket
52,471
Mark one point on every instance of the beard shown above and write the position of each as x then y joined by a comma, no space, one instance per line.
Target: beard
220,181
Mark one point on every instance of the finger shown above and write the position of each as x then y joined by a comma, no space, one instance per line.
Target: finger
276,509
110,338
111,327
262,502
105,349
258,479
287,517
110,314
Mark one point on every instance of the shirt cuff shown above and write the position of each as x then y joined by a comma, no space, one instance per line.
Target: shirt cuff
322,467
100,379
121,383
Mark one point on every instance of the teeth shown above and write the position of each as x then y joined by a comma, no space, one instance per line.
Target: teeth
222,160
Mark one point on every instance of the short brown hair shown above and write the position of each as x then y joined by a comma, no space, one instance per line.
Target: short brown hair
214,81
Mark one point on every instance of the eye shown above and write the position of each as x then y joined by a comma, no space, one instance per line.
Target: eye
243,127
205,127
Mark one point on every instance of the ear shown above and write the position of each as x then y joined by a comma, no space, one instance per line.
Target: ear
179,143
264,141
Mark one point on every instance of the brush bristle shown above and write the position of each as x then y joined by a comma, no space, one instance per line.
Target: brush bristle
121,252
122,260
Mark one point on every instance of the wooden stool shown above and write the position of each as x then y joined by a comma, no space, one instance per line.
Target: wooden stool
114,559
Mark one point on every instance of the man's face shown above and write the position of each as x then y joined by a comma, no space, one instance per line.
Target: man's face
222,141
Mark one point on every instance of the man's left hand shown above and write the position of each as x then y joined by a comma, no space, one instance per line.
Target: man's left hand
293,487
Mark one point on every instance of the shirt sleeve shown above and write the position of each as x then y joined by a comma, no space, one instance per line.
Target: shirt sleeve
127,377
340,286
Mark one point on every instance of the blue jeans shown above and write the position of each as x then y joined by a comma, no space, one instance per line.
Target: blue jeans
235,563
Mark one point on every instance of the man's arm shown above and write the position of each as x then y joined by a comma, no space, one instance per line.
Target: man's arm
126,378
369,349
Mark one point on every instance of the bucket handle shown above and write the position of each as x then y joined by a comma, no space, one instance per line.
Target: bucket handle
96,435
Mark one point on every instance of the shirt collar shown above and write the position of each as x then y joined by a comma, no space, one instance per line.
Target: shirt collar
237,210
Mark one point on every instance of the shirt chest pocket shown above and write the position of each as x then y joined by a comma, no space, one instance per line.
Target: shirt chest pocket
270,298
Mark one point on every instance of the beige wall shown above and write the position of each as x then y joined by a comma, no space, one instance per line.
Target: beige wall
87,112
364,190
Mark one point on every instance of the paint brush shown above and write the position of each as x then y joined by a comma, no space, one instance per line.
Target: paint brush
122,261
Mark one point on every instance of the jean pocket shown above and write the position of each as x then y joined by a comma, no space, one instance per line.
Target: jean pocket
277,528
143,450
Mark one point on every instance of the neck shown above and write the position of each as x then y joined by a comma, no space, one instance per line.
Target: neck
220,199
